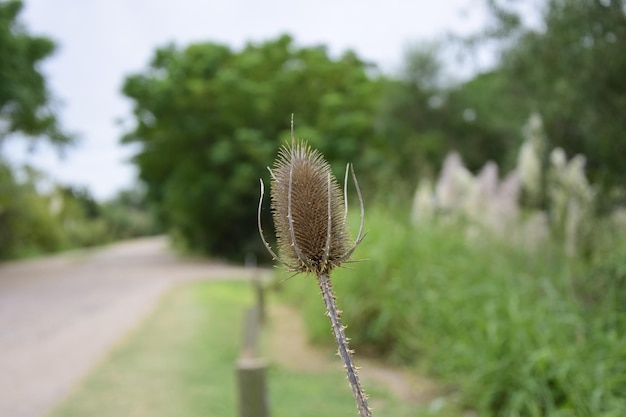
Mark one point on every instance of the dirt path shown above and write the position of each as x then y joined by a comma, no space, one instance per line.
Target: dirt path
60,315
291,349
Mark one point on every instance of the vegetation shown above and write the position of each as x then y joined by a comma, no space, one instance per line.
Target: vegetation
570,71
423,117
36,217
25,102
181,361
515,332
33,222
210,120
169,366
26,224
312,235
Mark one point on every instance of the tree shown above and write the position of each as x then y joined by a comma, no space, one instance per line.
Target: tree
410,119
209,120
127,215
25,103
26,224
571,70
426,116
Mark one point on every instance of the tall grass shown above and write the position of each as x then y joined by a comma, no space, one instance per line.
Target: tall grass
517,333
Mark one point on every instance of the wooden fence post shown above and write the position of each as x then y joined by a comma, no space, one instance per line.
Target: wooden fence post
251,369
257,282
252,387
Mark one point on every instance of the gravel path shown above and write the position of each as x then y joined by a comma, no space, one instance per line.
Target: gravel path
60,315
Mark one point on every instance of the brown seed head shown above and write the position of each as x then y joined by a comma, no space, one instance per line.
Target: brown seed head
308,211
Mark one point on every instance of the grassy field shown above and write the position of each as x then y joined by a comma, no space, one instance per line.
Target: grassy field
180,362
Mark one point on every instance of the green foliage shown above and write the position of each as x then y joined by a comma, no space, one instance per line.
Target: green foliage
27,226
209,120
128,216
571,72
492,131
78,214
516,333
411,122
24,98
34,222
423,118
89,223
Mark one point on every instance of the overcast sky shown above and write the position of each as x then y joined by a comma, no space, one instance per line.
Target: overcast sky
101,41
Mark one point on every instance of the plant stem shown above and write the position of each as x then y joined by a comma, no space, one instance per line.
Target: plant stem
342,342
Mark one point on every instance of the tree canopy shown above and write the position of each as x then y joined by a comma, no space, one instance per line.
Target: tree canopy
25,102
209,120
571,71
25,108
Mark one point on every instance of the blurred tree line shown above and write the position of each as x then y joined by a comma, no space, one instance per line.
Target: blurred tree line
209,119
36,217
570,70
35,221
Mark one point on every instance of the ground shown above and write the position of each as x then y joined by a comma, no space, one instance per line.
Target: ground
290,348
60,315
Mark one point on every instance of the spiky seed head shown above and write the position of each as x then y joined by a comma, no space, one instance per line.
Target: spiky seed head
302,183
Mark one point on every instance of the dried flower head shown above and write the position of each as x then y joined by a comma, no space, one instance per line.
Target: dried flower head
310,215
312,233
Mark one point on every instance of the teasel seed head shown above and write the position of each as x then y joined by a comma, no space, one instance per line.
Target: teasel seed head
310,215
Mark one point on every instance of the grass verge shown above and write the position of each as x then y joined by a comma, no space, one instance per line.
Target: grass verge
180,363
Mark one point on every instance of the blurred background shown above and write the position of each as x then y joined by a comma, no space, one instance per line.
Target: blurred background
488,137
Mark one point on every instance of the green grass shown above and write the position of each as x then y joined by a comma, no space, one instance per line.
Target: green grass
180,363
320,394
516,334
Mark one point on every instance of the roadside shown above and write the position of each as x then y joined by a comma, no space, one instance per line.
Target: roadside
290,348
60,315
180,361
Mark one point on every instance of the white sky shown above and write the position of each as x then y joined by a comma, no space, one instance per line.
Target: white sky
101,41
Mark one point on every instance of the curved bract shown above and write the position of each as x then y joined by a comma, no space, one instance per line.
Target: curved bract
309,211
310,218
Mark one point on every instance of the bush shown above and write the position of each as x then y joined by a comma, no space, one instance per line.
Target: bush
27,227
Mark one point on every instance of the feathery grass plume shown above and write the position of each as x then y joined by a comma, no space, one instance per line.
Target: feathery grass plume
310,218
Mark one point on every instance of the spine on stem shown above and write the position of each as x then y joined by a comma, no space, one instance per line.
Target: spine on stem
344,351
310,218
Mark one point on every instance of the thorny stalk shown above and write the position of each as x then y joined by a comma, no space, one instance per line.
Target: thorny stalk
310,218
342,342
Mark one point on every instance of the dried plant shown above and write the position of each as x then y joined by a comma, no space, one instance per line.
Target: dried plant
310,218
